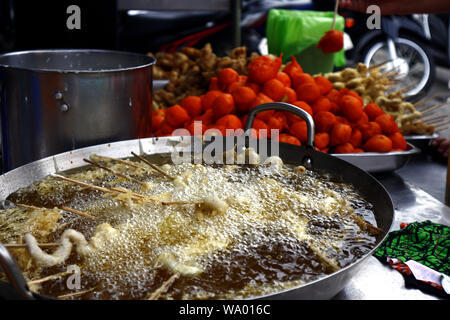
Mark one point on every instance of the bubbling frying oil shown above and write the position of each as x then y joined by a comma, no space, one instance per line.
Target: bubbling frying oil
282,228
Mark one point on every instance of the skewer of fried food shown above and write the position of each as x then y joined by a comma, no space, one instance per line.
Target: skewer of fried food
112,171
63,208
152,166
441,129
155,295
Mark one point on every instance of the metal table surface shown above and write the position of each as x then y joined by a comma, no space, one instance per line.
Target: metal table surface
409,188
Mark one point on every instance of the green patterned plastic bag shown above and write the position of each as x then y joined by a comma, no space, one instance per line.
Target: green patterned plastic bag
296,33
425,242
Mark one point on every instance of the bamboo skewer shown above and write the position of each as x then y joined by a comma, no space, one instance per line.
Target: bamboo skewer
181,202
379,64
391,74
440,124
79,293
23,245
51,277
81,183
418,95
434,119
80,213
432,108
26,206
152,165
421,102
155,295
63,208
91,186
441,129
129,163
336,7
407,87
137,196
112,171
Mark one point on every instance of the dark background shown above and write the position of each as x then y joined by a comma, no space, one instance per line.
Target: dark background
42,24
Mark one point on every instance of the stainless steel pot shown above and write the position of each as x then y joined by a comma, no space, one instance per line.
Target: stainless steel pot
323,288
58,100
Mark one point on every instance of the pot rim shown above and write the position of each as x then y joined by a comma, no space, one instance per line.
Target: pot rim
150,60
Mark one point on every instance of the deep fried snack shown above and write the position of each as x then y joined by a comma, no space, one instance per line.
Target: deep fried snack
190,72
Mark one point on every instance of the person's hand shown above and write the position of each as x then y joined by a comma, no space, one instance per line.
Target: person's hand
442,146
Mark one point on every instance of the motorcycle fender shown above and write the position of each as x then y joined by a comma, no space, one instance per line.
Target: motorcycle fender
364,41
393,25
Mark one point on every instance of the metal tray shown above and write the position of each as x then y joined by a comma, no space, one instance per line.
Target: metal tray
380,162
421,141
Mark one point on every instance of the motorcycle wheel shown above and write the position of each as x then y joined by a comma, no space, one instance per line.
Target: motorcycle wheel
420,71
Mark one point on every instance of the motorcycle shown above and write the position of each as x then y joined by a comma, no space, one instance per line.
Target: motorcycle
412,45
168,31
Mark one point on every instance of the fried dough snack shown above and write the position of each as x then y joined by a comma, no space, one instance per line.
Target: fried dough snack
373,86
189,72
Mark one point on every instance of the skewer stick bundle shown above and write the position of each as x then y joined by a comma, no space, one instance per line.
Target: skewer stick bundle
421,102
440,124
379,65
434,119
432,108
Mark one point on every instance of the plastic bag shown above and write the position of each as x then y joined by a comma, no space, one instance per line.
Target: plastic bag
296,33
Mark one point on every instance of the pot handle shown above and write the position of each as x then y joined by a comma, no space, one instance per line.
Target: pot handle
282,106
13,273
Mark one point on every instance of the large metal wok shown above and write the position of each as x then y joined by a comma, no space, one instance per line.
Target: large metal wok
323,288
